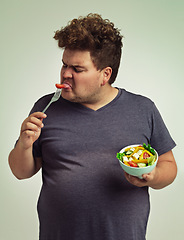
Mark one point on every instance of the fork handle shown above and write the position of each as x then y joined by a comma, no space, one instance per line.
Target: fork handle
46,106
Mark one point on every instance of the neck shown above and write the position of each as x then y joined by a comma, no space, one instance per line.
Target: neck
107,95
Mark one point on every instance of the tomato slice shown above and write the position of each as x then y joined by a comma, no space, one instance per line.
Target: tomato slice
132,164
59,85
146,155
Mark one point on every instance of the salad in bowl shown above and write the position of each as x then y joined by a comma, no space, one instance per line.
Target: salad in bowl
138,159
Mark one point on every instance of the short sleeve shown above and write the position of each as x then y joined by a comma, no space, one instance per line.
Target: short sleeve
161,139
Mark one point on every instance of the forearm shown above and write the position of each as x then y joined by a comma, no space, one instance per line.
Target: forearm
165,173
21,162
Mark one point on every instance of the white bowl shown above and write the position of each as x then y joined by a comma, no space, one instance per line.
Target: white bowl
136,171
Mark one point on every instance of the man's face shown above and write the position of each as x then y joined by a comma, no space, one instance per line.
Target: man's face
84,80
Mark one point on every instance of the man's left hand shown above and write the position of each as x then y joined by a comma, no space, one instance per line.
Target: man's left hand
145,181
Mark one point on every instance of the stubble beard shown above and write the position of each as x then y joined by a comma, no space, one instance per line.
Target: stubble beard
88,99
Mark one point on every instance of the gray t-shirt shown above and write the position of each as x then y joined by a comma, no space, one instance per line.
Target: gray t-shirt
85,195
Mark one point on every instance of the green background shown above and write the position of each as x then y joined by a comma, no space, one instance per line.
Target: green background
30,61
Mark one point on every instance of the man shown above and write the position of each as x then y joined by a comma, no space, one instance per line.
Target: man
85,194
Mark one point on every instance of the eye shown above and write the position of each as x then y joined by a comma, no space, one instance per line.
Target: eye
78,69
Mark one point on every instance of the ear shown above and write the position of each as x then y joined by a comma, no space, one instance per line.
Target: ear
107,72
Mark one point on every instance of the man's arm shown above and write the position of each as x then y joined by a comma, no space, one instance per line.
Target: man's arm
163,174
21,160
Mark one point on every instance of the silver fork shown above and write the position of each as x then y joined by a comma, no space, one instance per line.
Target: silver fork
54,98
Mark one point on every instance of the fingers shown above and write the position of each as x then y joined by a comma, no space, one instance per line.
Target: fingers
135,180
33,122
147,179
31,129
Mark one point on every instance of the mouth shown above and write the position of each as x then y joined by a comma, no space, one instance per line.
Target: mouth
67,85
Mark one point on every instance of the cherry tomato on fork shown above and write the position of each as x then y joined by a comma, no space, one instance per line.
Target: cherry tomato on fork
59,85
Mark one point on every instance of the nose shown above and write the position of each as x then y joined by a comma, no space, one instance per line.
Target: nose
66,72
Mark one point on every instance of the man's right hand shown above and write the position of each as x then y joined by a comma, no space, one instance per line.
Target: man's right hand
31,129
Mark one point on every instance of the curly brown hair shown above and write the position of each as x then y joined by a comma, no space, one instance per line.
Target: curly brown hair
96,35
